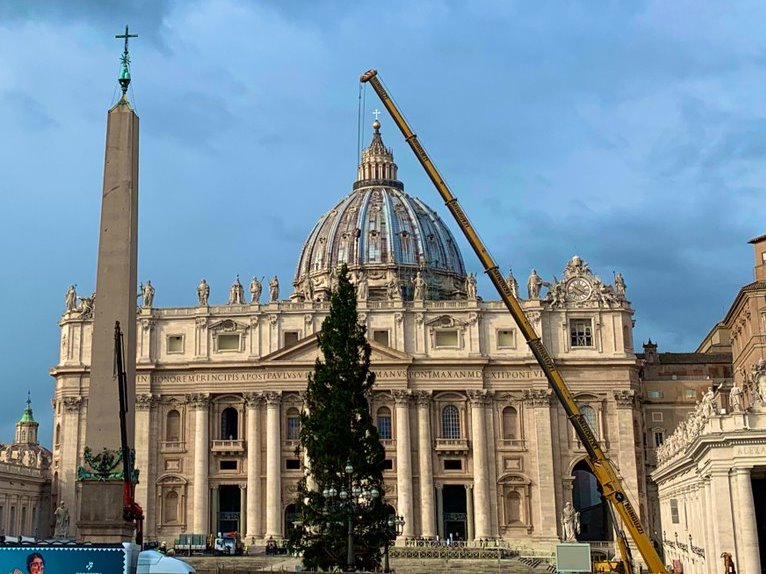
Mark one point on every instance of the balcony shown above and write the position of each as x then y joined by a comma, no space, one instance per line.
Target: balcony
513,444
170,446
451,445
231,446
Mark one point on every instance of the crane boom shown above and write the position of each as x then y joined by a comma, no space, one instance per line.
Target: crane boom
603,468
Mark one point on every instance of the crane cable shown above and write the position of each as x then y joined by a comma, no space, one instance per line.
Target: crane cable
361,107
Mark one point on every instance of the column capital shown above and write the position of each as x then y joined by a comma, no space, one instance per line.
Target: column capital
272,398
401,396
625,398
72,404
742,470
252,400
145,401
198,400
479,397
423,398
537,397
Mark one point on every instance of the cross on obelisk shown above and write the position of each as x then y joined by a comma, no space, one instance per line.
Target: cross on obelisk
125,61
376,113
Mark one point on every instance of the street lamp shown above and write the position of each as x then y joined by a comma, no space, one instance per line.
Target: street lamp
353,497
395,526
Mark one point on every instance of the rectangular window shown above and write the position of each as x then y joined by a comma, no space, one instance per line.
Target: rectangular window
674,511
228,342
388,464
228,465
691,394
656,417
506,339
175,343
581,332
654,394
380,336
291,337
445,338
453,464
659,438
293,427
384,426
292,464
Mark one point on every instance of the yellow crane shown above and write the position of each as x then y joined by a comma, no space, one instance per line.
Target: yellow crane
603,468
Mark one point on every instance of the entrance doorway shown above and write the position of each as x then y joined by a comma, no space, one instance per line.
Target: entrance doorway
595,524
228,508
455,511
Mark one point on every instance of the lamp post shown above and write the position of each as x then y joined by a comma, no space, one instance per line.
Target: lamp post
353,496
395,526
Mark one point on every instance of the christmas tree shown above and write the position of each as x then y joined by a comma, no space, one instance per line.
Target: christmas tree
340,500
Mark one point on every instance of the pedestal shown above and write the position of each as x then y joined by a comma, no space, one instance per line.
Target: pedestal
100,519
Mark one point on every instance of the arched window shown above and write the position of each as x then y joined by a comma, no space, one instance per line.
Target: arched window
229,429
173,426
57,439
293,424
383,422
510,423
171,507
450,422
589,414
513,500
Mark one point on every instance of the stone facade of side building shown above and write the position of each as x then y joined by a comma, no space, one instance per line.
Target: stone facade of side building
711,472
475,445
25,482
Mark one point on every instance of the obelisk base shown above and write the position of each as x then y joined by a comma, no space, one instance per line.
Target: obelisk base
100,517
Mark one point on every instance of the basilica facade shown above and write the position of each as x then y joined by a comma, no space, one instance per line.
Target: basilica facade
476,446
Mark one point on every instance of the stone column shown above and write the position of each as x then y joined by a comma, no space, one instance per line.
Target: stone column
478,400
404,461
253,402
440,511
469,519
709,525
722,518
144,409
70,450
200,403
215,508
273,466
425,459
538,401
242,507
748,559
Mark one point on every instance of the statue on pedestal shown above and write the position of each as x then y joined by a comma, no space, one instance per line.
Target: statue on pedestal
735,398
619,285
203,292
470,287
420,287
71,298
256,287
62,521
513,285
362,288
147,294
533,285
273,289
570,523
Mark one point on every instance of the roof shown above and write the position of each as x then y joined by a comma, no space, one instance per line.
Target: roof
750,287
690,358
758,239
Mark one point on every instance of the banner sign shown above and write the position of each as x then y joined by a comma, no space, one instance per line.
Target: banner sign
95,559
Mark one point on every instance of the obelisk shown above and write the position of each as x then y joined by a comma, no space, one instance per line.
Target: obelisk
99,517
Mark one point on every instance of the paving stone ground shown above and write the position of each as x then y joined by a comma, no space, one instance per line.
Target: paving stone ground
261,563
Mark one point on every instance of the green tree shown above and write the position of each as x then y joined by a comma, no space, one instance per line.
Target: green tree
336,429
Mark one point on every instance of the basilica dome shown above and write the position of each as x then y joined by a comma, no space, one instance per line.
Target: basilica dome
383,233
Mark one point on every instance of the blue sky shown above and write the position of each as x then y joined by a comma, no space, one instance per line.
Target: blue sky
629,133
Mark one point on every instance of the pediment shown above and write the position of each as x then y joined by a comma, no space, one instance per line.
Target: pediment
445,321
307,351
228,326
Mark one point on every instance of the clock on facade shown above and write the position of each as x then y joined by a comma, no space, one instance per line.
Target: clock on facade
578,289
